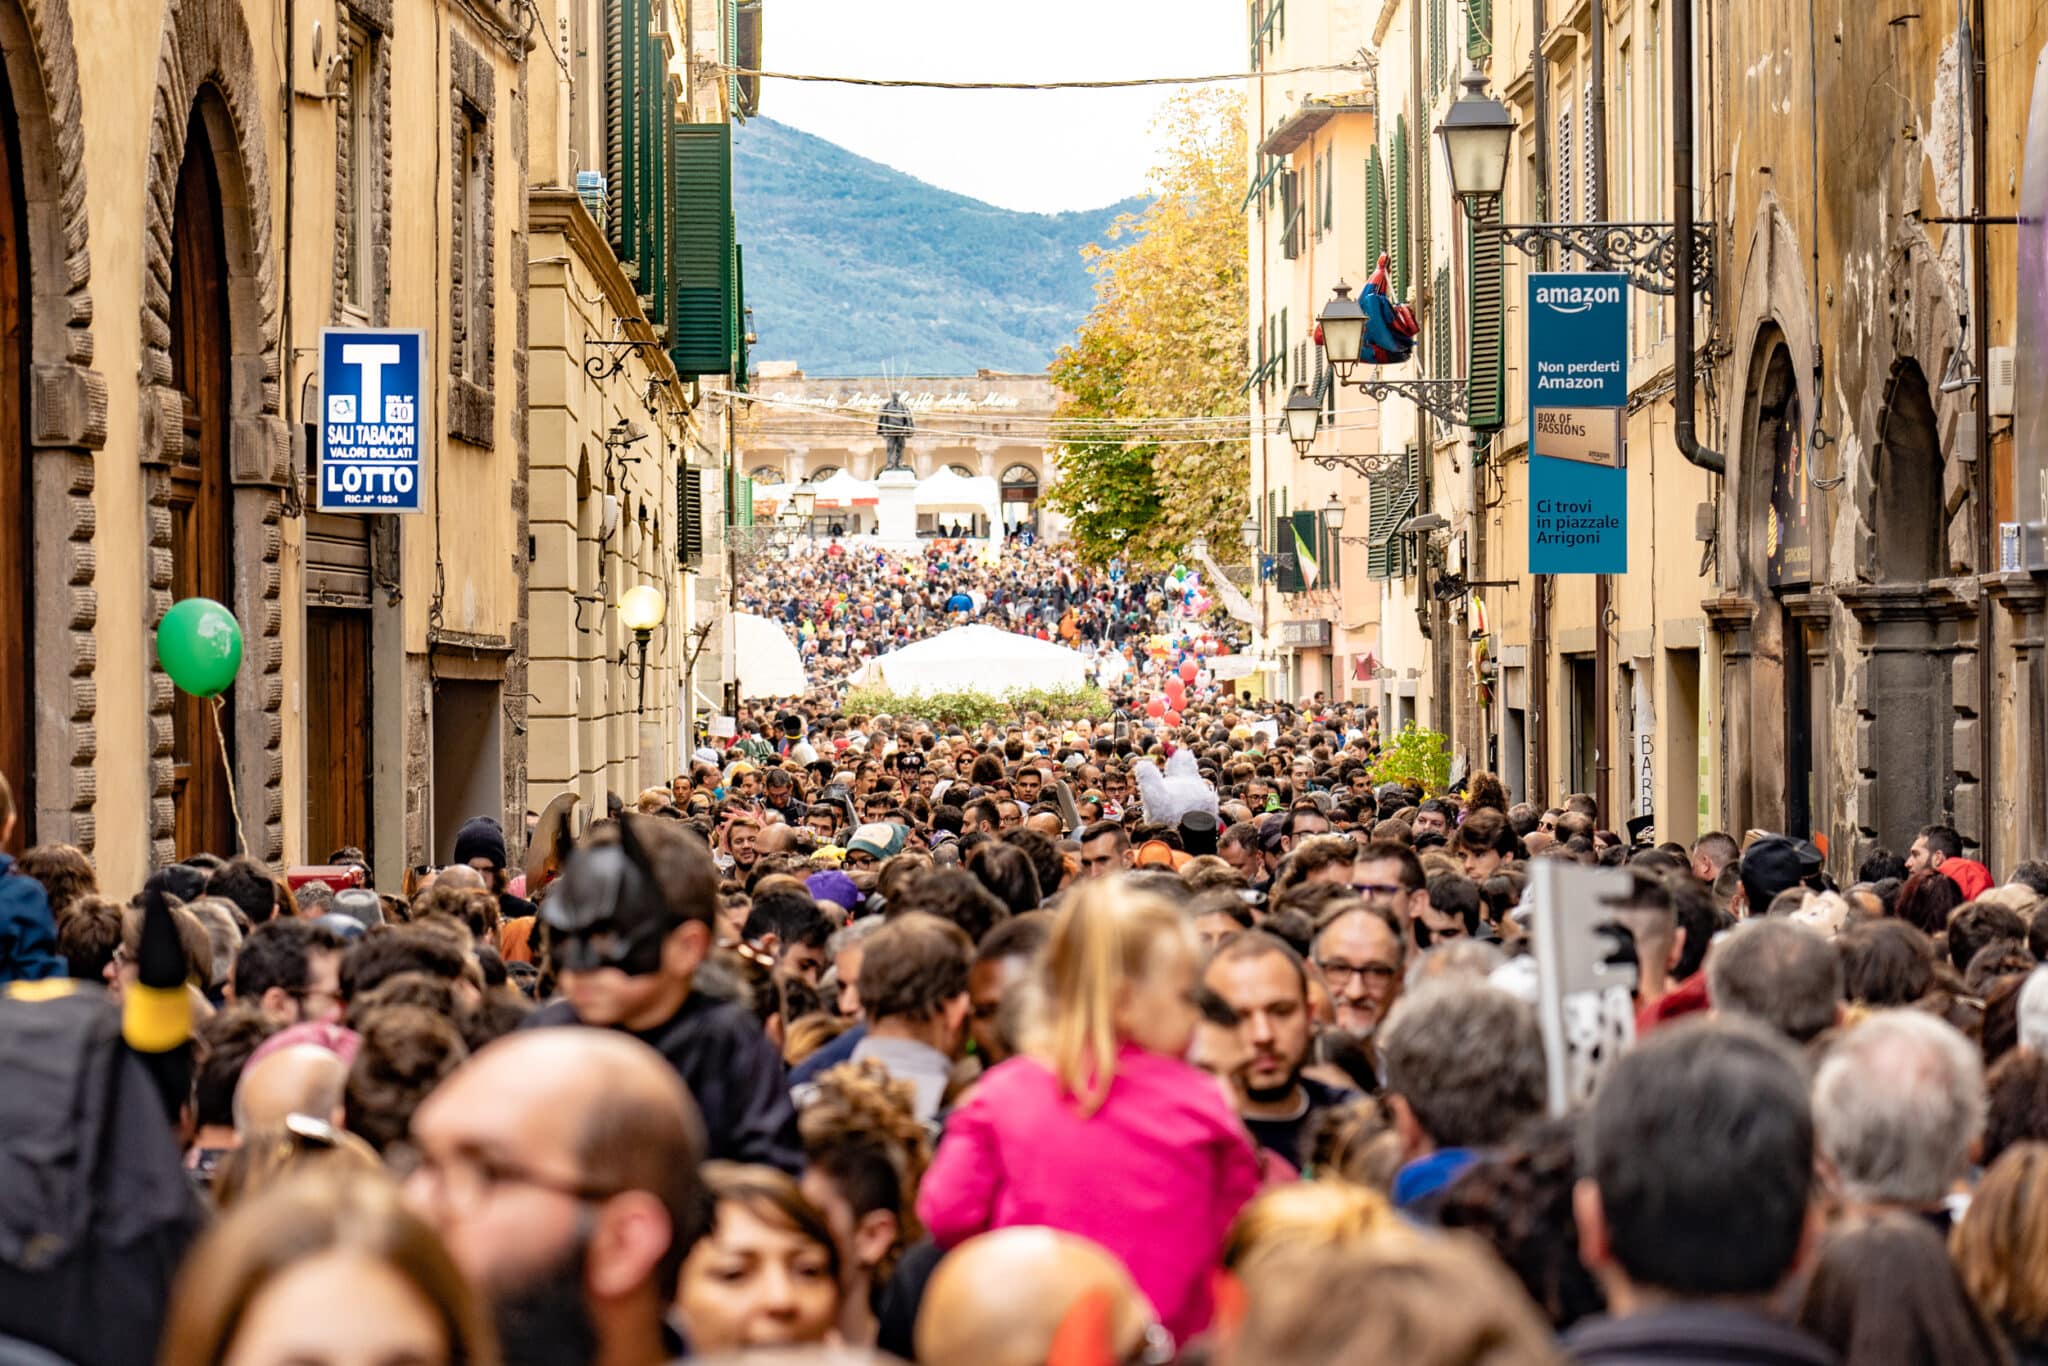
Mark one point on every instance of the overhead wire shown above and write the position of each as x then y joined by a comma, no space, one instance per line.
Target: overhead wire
1056,426
1228,430
1130,83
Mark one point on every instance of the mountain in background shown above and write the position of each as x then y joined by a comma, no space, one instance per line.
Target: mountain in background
856,269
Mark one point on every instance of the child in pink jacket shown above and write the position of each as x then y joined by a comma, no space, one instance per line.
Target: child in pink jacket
1102,1131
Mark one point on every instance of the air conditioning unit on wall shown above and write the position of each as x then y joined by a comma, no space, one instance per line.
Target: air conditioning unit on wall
2003,378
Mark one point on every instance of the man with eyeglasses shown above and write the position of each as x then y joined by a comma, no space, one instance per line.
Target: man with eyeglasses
1387,873
1360,950
560,1167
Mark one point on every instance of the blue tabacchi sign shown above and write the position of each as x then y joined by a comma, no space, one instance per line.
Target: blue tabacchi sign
371,382
1578,383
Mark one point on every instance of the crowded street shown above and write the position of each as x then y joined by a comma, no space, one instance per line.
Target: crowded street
892,683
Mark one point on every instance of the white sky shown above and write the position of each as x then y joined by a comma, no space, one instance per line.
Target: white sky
1043,151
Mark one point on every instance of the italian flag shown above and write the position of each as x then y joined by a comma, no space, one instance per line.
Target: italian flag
1307,560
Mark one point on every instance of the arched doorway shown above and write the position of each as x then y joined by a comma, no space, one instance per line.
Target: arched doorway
17,501
1779,515
1907,637
1020,497
1909,526
201,495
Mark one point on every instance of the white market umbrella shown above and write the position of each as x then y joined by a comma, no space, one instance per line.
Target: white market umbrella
1230,668
981,659
768,662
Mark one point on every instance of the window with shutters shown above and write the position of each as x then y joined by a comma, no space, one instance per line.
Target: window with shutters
1285,377
1424,246
1440,326
472,345
689,515
1485,332
1589,199
1375,210
1390,501
1479,34
362,165
1315,196
1621,194
1291,210
702,337
1566,206
1397,233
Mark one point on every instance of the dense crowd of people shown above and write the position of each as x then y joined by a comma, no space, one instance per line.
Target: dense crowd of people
845,602
1058,1041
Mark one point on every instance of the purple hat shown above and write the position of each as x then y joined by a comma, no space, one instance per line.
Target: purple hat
835,887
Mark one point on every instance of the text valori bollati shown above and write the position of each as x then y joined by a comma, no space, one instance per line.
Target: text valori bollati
1564,525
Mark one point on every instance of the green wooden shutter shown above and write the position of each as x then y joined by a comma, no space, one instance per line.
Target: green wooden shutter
1425,158
1485,324
1375,210
615,124
1398,233
1378,547
701,340
689,514
1479,29
741,355
1440,326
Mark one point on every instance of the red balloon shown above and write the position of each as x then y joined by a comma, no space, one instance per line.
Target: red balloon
1173,718
1156,707
1188,669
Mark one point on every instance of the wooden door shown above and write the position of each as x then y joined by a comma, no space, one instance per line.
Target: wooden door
17,553
337,730
202,521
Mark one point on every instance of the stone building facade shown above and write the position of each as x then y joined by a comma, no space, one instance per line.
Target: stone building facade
803,428
1817,636
183,214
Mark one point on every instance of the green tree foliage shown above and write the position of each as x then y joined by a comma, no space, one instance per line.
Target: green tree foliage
1417,757
1164,340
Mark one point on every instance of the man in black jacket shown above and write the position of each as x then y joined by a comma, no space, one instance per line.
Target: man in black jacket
1696,1204
629,924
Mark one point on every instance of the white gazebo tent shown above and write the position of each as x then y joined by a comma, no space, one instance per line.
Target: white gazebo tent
974,659
766,659
947,491
842,490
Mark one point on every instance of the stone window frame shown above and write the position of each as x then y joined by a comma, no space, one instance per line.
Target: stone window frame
365,32
472,344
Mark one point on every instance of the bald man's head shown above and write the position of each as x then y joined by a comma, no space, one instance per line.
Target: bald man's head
460,875
973,1315
587,1112
304,1079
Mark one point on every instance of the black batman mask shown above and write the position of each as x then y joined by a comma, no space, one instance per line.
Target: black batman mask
606,911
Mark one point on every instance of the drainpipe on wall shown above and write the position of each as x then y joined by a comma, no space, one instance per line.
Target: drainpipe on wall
1536,727
1683,429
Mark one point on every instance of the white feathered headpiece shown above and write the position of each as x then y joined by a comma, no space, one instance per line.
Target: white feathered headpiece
1171,795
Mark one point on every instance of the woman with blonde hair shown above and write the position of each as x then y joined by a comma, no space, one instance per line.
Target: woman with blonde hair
2001,1249
1100,1128
326,1268
1320,1215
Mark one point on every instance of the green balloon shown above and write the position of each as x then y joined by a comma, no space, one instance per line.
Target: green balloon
199,644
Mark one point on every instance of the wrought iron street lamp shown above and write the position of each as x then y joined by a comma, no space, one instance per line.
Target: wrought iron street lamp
1476,134
1248,531
1333,514
641,611
1343,324
1300,417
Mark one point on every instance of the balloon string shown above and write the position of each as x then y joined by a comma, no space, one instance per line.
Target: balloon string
227,768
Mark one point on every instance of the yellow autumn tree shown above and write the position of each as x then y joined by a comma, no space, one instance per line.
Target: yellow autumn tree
1164,340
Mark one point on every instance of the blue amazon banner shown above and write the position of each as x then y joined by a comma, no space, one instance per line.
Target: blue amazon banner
1578,386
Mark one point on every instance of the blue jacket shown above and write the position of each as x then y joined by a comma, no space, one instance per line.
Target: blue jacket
28,934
